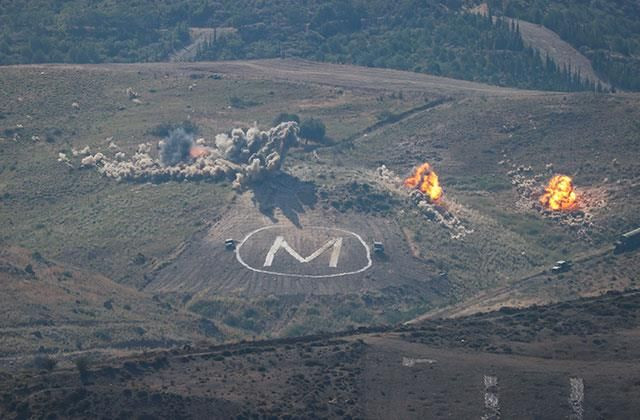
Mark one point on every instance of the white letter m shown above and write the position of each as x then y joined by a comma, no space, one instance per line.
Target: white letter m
336,243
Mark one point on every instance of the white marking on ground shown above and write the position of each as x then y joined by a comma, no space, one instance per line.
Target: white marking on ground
313,276
409,362
491,401
576,398
280,242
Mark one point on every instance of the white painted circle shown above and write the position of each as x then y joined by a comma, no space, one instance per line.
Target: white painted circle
313,276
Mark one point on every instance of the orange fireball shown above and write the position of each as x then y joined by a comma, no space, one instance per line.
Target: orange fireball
425,179
198,151
559,194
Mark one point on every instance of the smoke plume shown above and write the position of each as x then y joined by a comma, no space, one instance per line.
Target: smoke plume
243,157
176,147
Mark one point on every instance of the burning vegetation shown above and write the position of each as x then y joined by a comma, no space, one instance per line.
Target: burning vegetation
559,201
425,194
559,194
425,180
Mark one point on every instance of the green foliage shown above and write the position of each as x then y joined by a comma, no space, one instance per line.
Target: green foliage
284,117
85,31
388,117
44,363
241,103
607,32
82,364
432,36
362,198
406,35
313,129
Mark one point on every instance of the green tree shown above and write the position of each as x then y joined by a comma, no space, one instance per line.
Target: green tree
313,129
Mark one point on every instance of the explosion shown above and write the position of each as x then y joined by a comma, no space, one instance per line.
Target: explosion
198,151
246,156
176,147
559,194
426,181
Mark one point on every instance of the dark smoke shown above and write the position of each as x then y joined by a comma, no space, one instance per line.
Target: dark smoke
175,148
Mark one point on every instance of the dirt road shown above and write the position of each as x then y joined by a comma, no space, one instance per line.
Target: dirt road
304,71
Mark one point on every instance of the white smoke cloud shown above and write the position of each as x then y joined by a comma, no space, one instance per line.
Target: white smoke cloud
244,156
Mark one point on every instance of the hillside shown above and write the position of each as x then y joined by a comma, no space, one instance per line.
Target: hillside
579,358
53,309
353,209
494,149
548,43
436,37
608,33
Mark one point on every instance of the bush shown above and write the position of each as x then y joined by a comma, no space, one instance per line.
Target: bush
388,117
240,103
44,362
29,270
82,364
312,129
284,117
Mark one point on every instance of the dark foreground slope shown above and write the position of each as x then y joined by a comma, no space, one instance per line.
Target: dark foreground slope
57,309
578,357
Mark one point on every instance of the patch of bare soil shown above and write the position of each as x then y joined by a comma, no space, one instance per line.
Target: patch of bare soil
304,71
287,208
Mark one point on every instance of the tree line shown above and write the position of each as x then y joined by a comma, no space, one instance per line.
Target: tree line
406,35
433,36
607,32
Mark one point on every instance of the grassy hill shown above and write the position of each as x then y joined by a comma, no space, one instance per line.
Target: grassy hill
165,238
119,297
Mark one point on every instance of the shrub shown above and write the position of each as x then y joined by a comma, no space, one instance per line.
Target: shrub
208,328
44,362
284,117
388,117
240,103
82,364
103,335
29,269
312,129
